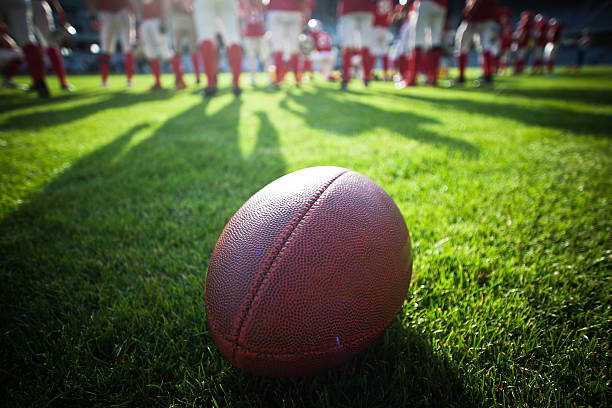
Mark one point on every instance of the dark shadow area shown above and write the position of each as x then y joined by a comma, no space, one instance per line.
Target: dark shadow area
65,115
352,117
581,95
581,123
399,369
12,100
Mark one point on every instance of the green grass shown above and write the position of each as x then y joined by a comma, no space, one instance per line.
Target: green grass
111,202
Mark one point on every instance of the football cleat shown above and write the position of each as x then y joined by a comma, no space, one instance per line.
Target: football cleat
343,85
156,87
41,89
209,91
236,90
68,87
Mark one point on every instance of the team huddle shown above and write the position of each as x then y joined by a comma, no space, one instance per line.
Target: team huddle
282,35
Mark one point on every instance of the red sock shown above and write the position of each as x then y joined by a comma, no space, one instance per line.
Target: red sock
155,69
57,62
368,63
129,66
12,68
280,70
294,64
550,65
385,62
196,65
209,56
176,67
486,63
347,54
34,58
433,63
234,55
104,66
414,65
462,64
518,66
402,66
495,62
537,63
308,65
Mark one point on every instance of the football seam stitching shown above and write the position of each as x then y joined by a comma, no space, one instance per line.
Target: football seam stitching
273,256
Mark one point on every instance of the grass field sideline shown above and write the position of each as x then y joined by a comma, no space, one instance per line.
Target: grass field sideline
111,202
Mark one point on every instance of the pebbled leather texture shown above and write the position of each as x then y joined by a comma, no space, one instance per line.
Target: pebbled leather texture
307,273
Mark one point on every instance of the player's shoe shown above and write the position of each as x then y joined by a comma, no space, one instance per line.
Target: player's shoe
459,81
180,84
273,86
10,84
41,89
236,90
104,84
366,82
343,85
68,87
209,91
156,87
128,84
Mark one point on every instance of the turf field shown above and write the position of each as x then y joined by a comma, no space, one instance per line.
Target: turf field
111,202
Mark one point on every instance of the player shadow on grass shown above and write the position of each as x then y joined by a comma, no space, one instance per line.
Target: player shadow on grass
579,122
64,115
106,266
326,109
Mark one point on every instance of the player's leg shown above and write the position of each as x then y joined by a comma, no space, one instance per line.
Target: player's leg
107,43
418,26
127,35
204,17
434,54
167,54
294,27
43,20
10,64
538,52
277,29
365,22
179,31
228,14
149,34
463,43
485,33
549,56
19,21
263,50
347,28
193,46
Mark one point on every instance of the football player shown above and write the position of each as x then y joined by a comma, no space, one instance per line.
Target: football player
355,28
521,43
553,42
253,32
153,32
539,42
44,25
114,18
505,38
183,26
323,54
478,23
426,39
286,19
17,15
381,34
212,17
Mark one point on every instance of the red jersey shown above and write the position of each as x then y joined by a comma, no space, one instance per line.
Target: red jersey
484,10
356,6
322,40
540,31
254,19
150,9
286,5
112,6
384,10
554,33
182,6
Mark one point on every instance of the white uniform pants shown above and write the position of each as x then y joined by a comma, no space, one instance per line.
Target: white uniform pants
481,33
426,25
356,30
217,16
154,43
116,24
285,27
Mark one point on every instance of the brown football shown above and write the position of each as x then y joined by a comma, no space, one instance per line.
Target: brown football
308,273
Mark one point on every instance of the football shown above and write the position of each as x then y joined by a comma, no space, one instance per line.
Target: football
307,273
